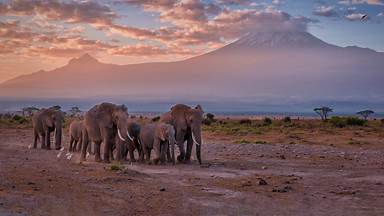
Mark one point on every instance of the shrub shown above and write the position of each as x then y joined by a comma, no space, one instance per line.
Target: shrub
210,116
353,121
382,121
267,121
245,121
341,122
155,119
19,119
116,167
337,121
207,121
242,141
287,119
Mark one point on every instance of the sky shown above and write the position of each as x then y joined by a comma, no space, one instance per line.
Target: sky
45,34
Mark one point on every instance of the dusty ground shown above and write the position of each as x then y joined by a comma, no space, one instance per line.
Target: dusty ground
300,178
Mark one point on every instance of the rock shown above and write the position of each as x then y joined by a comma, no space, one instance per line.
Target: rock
284,189
246,183
264,167
205,165
282,157
262,182
31,183
162,189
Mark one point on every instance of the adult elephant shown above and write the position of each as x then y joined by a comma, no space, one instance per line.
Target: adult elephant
45,122
187,122
101,124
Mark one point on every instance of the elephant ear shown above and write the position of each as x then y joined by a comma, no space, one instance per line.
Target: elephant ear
199,108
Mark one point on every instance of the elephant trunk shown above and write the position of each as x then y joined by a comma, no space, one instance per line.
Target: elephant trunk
58,134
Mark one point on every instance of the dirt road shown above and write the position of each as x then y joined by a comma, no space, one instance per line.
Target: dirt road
236,179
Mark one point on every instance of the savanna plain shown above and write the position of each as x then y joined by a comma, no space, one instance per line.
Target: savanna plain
250,167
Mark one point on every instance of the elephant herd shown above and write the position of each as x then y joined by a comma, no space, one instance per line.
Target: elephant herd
110,125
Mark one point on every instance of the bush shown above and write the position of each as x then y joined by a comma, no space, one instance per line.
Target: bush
19,119
245,121
207,121
337,121
287,119
210,116
382,121
155,119
267,121
341,122
353,121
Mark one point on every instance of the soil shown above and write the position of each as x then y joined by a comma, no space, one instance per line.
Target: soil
235,179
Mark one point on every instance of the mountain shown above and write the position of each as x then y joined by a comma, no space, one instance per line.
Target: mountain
273,67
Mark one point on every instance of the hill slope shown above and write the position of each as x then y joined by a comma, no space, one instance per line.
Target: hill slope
273,66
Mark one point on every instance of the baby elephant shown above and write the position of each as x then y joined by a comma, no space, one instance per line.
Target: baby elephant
157,136
76,135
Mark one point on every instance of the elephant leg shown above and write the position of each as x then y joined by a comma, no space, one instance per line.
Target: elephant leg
71,142
48,140
89,149
189,149
107,149
43,141
169,155
84,146
147,154
35,139
75,145
180,144
79,144
163,152
131,149
97,151
156,149
198,153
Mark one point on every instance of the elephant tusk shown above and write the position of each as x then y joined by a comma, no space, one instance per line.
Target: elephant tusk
129,136
118,133
194,139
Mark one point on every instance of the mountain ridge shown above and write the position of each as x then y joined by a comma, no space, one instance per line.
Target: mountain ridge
271,65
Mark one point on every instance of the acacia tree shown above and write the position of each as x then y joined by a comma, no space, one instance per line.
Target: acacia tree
56,107
75,111
28,111
323,112
365,113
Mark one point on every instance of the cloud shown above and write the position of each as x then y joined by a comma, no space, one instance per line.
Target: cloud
71,11
149,50
381,14
190,26
325,11
354,16
370,2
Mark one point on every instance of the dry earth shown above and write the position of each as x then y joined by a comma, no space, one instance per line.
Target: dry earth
236,179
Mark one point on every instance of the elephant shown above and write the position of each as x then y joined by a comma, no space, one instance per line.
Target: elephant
76,136
103,123
132,143
159,137
187,123
44,122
